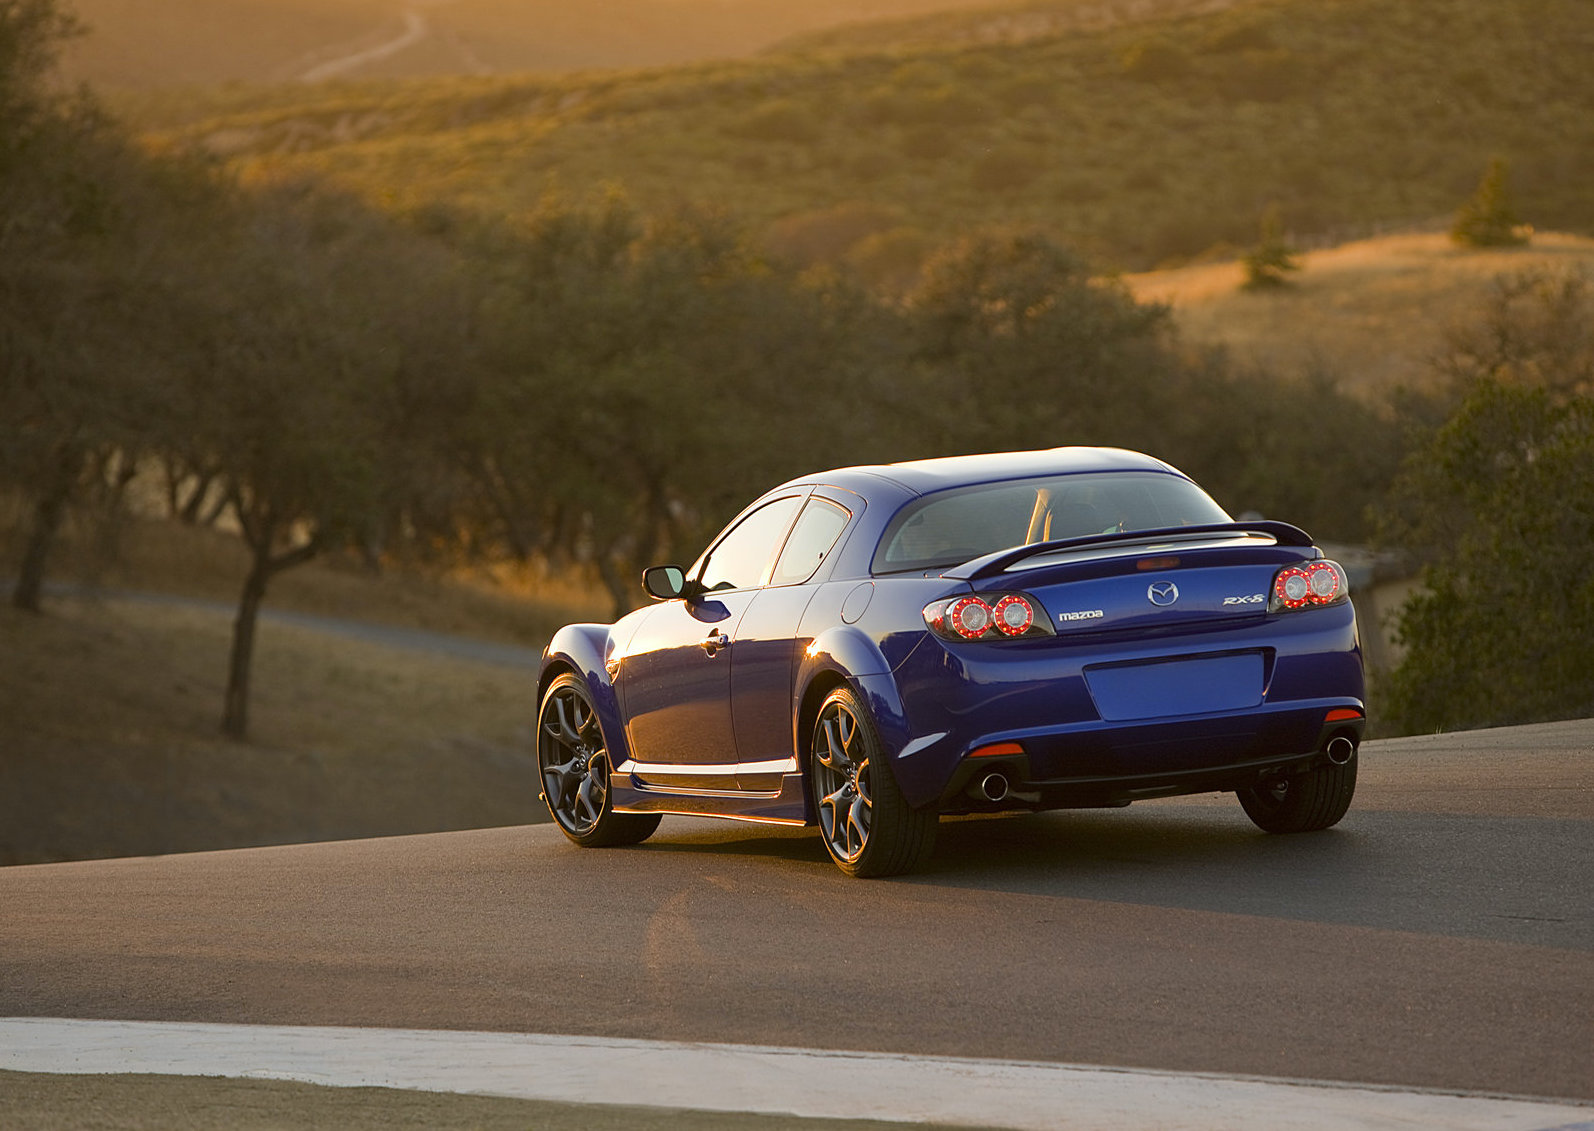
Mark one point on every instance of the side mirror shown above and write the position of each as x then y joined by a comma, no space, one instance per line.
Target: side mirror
664,583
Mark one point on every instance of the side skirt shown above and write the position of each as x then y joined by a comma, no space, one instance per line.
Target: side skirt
787,805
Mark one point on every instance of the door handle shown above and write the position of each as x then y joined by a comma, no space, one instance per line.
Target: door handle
716,642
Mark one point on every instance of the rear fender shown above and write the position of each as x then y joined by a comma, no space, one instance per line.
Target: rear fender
846,655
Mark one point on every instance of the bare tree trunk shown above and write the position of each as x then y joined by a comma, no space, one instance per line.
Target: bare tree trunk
191,509
260,533
235,717
48,511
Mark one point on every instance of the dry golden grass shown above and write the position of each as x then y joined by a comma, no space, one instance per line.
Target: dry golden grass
110,707
1372,313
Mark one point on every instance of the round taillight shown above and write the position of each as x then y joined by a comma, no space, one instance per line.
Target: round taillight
1323,582
969,617
1293,587
1013,615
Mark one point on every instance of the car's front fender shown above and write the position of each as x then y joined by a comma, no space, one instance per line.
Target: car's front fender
582,649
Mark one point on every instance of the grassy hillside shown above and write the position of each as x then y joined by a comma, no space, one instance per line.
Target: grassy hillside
110,742
1001,23
1372,312
147,43
1141,144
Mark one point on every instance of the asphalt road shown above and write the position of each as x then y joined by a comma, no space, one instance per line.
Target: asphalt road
1442,936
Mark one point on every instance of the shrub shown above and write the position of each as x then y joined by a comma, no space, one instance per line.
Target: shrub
1266,265
1488,219
1498,506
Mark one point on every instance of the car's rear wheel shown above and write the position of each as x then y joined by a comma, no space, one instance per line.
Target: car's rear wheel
573,763
1301,803
868,827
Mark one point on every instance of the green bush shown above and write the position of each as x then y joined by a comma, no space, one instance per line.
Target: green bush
1498,507
1502,631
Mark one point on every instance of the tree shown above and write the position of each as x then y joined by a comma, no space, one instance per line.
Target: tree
641,371
31,35
1019,344
1502,631
289,394
42,441
1267,265
1489,219
1499,508
80,206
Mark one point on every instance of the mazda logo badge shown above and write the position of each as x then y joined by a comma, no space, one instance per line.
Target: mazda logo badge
1163,593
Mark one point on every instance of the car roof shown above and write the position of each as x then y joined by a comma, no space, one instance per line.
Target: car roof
923,476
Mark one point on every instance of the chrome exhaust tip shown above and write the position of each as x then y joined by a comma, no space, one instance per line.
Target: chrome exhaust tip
993,787
1340,750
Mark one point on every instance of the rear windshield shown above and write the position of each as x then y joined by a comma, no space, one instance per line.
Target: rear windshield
951,527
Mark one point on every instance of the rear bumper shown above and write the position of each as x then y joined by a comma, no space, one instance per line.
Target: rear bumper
1081,746
1093,767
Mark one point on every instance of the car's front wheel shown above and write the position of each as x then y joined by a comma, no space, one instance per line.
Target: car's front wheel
1301,803
868,827
573,763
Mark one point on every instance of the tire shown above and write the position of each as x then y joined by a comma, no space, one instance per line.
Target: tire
573,765
1301,803
867,826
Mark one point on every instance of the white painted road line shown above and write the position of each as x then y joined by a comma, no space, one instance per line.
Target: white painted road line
1027,1095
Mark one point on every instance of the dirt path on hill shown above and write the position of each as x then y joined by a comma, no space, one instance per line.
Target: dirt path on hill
417,28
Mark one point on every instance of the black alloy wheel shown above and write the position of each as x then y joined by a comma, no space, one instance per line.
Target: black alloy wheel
868,827
573,763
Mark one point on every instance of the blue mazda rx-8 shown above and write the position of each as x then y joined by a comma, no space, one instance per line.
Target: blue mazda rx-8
868,648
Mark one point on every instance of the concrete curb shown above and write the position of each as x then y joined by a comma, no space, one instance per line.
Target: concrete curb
1023,1095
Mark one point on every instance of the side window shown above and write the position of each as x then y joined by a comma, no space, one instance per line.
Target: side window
739,560
811,539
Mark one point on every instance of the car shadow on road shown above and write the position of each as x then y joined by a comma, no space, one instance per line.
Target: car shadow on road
1405,871
1386,870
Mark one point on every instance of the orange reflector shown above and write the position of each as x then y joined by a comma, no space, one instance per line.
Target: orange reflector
996,749
1156,563
1340,714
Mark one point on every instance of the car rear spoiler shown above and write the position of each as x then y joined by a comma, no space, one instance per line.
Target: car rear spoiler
992,564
